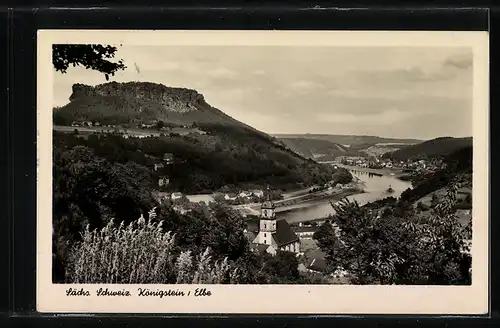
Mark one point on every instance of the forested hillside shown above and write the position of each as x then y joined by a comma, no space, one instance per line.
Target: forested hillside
314,148
402,241
228,155
439,147
98,178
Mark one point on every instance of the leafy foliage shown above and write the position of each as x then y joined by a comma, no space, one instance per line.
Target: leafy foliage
229,156
458,163
141,253
342,176
214,226
146,251
398,248
310,147
267,269
98,180
90,56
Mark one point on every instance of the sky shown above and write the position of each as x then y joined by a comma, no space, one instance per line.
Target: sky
401,92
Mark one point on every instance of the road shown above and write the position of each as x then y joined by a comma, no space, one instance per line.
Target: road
295,193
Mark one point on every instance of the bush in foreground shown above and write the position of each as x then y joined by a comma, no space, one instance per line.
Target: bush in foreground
141,253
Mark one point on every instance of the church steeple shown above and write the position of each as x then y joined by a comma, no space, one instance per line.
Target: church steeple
267,224
267,207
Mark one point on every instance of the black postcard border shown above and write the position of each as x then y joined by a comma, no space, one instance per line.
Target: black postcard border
21,119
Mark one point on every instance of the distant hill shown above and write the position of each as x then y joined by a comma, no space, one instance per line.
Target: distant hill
314,148
439,147
324,150
352,140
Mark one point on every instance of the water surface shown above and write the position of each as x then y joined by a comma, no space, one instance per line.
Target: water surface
375,187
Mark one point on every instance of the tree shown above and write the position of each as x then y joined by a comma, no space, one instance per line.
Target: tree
398,248
283,268
434,200
342,176
90,56
160,125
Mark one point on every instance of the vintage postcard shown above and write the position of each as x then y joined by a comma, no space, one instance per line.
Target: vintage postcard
267,172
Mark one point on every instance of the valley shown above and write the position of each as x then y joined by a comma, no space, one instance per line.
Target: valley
135,146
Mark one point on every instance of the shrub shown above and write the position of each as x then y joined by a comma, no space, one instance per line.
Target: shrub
398,249
141,253
421,206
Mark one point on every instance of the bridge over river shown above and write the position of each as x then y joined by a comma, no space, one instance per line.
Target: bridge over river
301,201
397,172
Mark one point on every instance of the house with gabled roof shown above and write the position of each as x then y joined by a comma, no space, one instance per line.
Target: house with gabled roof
272,234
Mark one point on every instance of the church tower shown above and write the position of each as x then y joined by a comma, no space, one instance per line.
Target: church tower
267,224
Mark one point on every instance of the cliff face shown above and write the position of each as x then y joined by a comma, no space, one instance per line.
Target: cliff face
123,103
178,100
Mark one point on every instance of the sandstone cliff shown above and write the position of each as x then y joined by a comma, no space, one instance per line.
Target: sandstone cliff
119,103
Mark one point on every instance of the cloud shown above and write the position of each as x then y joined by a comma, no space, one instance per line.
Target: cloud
222,73
259,72
168,66
306,85
459,62
386,117
359,90
407,75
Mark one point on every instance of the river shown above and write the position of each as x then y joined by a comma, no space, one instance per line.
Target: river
375,187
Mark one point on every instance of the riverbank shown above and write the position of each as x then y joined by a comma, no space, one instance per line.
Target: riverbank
304,201
330,198
374,186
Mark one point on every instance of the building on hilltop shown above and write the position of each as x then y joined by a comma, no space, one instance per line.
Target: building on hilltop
273,235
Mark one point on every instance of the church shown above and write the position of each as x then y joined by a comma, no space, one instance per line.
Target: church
273,235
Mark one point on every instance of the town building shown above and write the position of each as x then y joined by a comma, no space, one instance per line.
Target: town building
176,195
158,166
168,158
245,194
258,193
317,265
230,196
273,234
163,181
